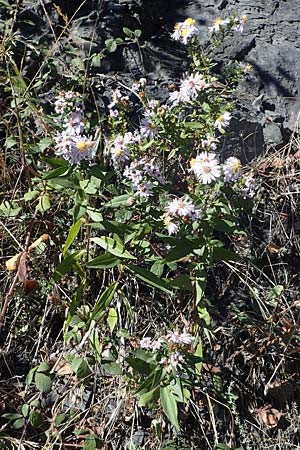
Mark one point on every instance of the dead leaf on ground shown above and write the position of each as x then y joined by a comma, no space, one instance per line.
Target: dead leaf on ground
63,368
269,416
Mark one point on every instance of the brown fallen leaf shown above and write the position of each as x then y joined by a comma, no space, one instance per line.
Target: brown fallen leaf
273,249
63,368
269,416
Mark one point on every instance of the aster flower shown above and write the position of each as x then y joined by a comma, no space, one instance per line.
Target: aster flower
218,25
146,343
182,208
223,121
172,362
172,227
240,23
145,189
232,169
184,31
148,128
210,143
192,85
75,148
176,337
206,167
175,97
250,187
120,154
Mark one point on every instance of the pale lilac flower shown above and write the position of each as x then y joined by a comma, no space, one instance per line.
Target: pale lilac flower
175,97
223,121
156,345
152,104
232,169
120,154
75,148
182,208
192,85
210,143
75,123
148,128
146,343
206,167
240,23
184,31
250,187
218,25
60,105
145,189
113,113
180,338
172,362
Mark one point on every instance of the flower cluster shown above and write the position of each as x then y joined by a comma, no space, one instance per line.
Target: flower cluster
139,85
236,24
250,187
144,174
71,143
120,148
177,210
118,101
169,347
189,88
184,31
64,101
207,169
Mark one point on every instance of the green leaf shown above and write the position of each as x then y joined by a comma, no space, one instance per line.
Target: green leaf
169,405
103,302
66,265
149,278
275,292
74,230
10,142
9,209
36,419
81,368
105,261
113,247
19,423
112,319
111,45
193,125
137,33
127,31
43,367
149,397
30,195
157,268
223,254
30,375
43,382
44,203
199,352
111,368
118,201
25,409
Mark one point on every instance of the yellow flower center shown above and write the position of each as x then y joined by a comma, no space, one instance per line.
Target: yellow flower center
119,151
81,146
189,21
218,21
244,18
184,32
220,118
236,165
192,162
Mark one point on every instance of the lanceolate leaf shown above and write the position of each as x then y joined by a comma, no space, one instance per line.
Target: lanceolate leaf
169,405
150,278
113,247
105,261
72,235
104,301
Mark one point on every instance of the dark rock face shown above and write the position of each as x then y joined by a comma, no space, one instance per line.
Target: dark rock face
268,98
